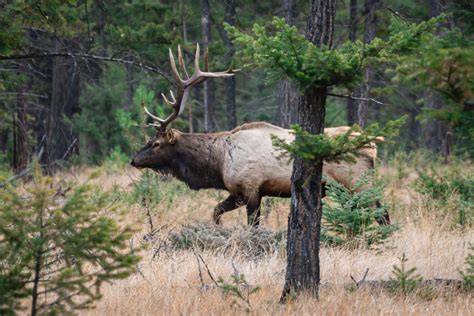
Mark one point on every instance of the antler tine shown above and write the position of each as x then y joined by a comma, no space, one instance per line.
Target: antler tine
156,118
173,67
166,100
178,102
182,66
197,71
172,96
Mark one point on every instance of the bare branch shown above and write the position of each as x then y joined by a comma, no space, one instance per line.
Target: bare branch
355,98
87,56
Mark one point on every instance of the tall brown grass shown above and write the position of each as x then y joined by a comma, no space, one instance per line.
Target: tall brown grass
177,283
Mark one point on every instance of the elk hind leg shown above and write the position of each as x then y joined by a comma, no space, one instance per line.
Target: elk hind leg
253,210
230,203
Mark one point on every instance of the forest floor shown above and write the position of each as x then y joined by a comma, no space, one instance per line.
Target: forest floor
177,282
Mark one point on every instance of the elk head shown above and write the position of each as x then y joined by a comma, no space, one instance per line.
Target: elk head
158,151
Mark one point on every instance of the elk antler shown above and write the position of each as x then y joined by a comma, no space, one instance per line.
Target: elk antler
179,102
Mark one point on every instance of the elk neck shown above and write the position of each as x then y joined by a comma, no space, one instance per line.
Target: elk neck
199,159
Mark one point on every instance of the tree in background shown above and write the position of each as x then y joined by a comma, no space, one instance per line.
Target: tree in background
286,90
53,69
352,103
208,86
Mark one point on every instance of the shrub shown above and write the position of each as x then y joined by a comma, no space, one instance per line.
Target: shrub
239,288
350,216
57,246
442,185
404,281
468,275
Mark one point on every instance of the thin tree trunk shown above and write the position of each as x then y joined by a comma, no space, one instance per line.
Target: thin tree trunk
185,40
38,260
287,90
229,56
304,222
65,93
436,131
351,103
370,7
209,123
130,86
20,147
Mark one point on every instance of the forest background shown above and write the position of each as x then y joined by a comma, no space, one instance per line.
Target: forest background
74,74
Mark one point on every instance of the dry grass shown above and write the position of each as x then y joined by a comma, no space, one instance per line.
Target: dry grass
170,282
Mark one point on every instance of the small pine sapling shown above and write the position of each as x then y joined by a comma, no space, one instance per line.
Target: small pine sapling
468,275
404,281
350,214
239,288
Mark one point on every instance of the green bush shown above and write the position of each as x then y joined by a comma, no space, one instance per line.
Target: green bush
350,215
468,275
116,160
404,281
58,245
442,184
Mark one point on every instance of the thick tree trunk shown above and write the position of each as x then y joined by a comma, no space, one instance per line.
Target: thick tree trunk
287,90
351,103
209,123
229,56
304,222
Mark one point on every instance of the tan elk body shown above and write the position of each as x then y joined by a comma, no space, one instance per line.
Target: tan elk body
242,161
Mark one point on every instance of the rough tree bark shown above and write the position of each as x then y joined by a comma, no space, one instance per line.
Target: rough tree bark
370,6
229,56
287,90
351,103
209,123
304,222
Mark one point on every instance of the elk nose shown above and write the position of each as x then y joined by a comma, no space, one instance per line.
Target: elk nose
132,163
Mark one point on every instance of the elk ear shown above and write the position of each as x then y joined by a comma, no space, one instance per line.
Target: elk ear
172,136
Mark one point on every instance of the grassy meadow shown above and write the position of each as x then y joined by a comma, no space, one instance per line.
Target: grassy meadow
189,278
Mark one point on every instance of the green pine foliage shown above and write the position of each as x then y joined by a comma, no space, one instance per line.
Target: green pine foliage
239,288
443,64
468,275
282,51
58,245
405,280
314,148
443,184
349,217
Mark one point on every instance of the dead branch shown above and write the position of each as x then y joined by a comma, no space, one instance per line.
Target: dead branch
87,56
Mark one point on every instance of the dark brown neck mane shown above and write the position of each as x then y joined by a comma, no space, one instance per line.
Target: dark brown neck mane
198,160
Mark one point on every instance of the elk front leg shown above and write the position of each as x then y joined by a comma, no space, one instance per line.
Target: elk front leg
230,203
253,210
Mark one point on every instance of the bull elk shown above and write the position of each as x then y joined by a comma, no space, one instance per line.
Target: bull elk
242,161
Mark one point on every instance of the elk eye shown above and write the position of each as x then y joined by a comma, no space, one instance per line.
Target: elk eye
156,144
